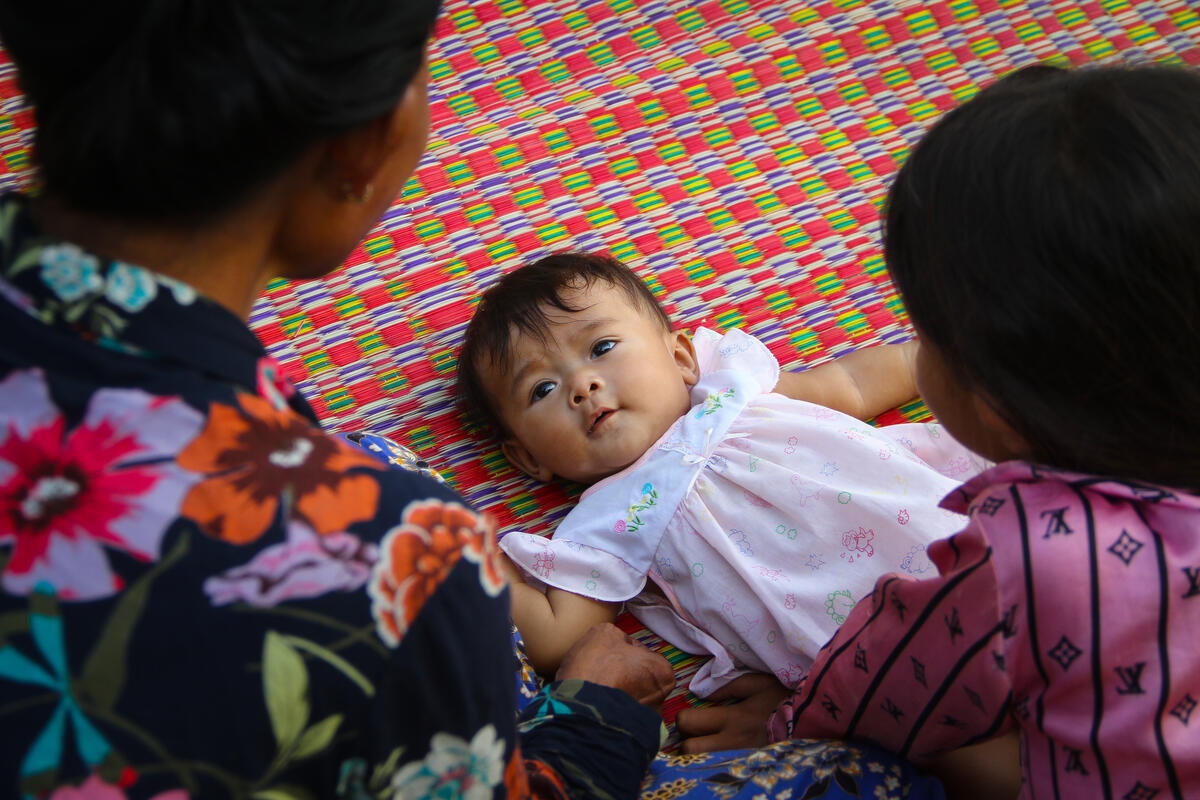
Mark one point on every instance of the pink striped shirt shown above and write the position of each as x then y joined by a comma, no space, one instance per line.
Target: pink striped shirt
1068,608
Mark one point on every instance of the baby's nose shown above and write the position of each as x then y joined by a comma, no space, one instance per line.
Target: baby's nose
583,389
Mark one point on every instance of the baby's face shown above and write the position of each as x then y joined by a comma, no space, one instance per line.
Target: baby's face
604,386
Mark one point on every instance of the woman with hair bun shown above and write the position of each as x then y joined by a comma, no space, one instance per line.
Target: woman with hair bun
201,593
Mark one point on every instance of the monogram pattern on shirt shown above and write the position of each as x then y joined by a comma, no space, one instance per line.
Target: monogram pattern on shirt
953,624
1140,791
1184,708
991,505
1056,525
831,708
1074,760
951,722
1065,653
860,659
974,698
1193,577
1010,622
918,672
891,708
1131,678
999,662
1125,547
899,604
1021,708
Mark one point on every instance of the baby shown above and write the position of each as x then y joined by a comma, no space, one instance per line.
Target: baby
758,504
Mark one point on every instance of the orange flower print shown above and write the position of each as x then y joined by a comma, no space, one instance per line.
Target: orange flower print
516,782
417,555
256,457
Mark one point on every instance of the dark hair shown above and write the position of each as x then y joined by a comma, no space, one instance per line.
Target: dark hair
1045,237
518,303
178,109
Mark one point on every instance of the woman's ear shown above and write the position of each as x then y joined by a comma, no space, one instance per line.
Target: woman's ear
685,357
520,457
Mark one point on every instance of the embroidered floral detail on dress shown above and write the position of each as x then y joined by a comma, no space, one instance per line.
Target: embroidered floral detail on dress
633,520
714,402
419,553
858,543
257,459
454,768
66,494
916,561
839,604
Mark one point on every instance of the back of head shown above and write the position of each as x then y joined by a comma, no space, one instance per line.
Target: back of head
518,303
178,109
1045,237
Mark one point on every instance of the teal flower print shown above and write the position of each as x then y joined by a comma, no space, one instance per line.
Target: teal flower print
46,753
70,272
130,288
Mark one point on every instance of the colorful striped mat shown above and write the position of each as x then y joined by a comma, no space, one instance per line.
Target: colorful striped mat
735,152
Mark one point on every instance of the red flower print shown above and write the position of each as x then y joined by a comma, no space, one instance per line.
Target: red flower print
417,555
67,493
255,457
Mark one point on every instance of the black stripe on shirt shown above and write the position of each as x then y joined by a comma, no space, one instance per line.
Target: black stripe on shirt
1031,621
812,693
947,683
1097,673
1164,607
883,669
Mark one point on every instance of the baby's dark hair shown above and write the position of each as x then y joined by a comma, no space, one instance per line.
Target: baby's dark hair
518,303
176,110
1045,237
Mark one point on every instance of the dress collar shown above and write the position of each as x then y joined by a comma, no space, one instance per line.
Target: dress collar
130,309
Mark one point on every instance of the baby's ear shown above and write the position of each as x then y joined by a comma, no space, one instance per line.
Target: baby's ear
520,457
685,357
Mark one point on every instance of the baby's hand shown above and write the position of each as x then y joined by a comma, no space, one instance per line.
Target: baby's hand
732,727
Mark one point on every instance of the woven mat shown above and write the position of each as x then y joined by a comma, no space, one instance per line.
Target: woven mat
735,153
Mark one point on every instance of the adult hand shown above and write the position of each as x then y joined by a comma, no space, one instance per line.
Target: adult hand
605,655
732,727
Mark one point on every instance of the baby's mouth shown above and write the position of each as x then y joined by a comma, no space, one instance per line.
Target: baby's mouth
598,419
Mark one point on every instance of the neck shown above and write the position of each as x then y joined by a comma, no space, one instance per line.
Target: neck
227,259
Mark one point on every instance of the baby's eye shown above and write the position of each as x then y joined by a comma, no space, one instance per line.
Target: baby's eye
541,390
602,347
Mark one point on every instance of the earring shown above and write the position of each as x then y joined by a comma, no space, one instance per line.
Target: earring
362,196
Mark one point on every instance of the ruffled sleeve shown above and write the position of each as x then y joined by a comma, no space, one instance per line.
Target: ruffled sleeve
736,350
574,567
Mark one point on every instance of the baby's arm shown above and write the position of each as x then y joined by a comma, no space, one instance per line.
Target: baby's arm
551,623
863,384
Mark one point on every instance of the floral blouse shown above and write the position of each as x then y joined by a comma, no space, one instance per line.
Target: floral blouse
203,595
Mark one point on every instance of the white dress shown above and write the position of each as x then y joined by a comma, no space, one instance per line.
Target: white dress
762,519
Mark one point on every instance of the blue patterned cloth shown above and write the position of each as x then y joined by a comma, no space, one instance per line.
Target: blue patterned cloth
799,769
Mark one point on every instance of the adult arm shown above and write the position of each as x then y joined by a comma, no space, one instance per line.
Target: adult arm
863,384
448,691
